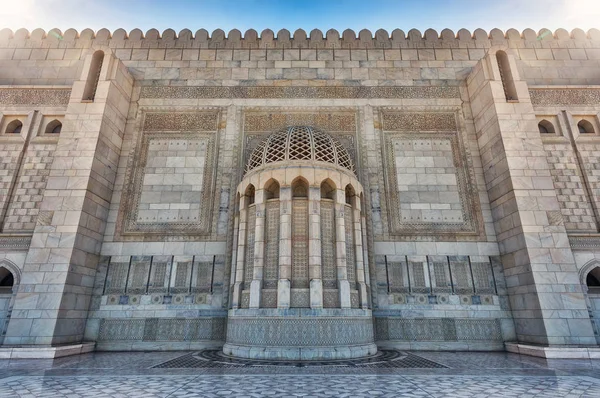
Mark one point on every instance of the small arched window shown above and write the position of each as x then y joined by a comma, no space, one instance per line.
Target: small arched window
54,127
271,190
593,281
91,84
249,194
585,127
350,194
508,83
328,189
14,127
299,188
7,281
545,127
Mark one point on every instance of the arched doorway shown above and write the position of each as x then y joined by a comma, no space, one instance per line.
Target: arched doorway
8,282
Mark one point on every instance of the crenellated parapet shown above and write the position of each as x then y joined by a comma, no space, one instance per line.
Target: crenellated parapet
348,39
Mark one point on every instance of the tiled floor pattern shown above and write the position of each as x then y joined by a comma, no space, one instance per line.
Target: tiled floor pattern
135,375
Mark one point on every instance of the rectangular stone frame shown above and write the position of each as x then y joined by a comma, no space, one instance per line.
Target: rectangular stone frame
158,122
439,123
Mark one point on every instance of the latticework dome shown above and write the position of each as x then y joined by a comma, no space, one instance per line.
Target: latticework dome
300,143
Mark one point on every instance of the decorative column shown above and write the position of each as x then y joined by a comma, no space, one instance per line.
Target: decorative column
285,248
314,247
360,267
239,257
340,249
259,249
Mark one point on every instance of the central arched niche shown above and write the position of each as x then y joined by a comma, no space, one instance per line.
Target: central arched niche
299,286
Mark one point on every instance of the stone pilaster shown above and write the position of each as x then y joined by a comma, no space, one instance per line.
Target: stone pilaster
545,294
358,247
259,249
51,306
240,253
285,248
314,247
340,249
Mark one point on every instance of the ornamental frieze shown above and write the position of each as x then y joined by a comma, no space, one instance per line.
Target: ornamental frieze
388,92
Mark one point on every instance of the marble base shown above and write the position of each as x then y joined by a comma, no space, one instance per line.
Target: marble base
300,334
554,352
301,353
37,352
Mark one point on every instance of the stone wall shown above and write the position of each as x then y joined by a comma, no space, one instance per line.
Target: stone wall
452,172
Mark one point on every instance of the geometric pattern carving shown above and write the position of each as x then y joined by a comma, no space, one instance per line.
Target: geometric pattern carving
202,274
300,243
300,298
259,122
438,329
331,298
162,329
483,277
350,248
184,121
249,257
116,279
461,275
430,188
159,274
397,274
298,332
271,267
182,277
171,178
299,143
440,274
565,96
328,263
417,276
419,121
226,92
34,96
138,274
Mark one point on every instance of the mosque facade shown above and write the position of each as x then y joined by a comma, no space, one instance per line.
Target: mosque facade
300,196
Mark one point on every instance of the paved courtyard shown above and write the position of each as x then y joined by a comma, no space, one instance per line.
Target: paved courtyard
391,374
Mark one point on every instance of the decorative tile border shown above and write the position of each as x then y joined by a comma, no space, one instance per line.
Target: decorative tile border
209,92
564,96
35,96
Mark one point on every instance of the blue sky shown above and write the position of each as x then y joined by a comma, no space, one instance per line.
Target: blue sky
292,14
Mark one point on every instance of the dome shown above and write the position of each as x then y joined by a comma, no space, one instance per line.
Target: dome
300,143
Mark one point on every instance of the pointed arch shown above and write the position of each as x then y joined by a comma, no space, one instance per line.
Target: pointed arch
271,188
300,187
328,189
546,127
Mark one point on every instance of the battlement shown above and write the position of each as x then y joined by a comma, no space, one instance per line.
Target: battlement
365,39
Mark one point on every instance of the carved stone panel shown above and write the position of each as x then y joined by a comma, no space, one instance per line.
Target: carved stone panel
171,181
429,183
328,264
138,274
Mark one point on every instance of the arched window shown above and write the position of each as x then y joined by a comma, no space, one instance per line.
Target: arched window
585,127
91,84
299,188
249,194
54,127
593,281
7,281
328,189
14,127
271,189
545,127
510,91
350,193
